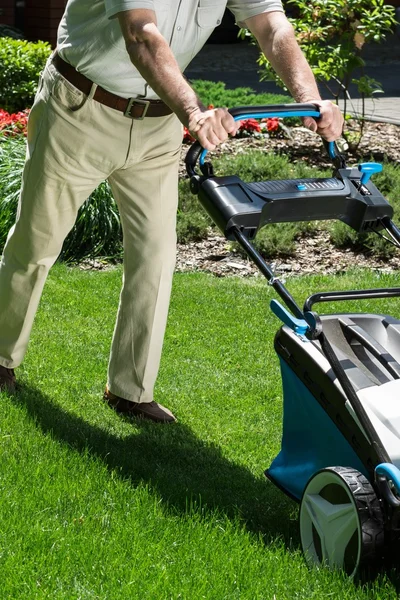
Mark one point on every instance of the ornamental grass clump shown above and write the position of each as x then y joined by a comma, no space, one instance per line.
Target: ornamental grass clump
12,158
97,231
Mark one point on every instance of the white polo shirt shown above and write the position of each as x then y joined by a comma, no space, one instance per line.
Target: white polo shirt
90,37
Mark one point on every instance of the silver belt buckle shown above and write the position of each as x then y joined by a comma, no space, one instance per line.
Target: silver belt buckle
133,101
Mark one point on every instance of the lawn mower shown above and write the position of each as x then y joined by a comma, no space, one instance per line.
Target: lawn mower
340,451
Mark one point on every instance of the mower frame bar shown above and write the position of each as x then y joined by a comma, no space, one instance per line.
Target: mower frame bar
350,295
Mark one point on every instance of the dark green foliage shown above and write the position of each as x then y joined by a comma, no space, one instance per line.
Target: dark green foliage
255,165
216,94
21,64
192,221
332,34
277,240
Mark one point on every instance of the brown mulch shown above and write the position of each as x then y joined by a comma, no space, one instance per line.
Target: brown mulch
313,254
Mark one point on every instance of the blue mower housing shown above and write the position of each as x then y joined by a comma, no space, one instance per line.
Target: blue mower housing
319,426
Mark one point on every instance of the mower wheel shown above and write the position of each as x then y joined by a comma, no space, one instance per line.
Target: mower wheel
341,521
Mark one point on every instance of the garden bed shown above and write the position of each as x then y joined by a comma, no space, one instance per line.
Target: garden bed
314,252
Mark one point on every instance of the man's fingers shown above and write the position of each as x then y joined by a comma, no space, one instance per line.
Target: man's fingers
229,123
212,137
310,123
330,123
212,127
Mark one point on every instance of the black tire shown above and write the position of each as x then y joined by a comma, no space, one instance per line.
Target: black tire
341,521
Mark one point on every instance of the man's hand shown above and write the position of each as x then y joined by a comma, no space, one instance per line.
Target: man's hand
211,127
330,123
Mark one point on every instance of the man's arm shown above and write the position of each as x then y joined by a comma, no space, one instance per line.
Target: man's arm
277,40
153,58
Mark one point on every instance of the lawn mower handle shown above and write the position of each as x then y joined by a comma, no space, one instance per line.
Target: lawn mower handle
197,152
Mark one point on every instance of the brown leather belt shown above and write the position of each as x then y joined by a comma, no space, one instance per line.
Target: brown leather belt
133,108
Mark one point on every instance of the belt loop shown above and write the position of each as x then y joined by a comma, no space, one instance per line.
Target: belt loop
92,91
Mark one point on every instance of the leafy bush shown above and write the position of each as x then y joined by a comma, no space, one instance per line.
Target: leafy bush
215,93
193,222
97,231
255,165
21,63
276,240
332,34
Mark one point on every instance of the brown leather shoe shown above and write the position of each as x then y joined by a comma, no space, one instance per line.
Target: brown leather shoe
7,379
144,410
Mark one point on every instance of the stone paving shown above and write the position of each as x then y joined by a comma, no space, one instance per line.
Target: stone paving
236,66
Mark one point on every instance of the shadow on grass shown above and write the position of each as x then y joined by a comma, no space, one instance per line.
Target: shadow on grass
186,472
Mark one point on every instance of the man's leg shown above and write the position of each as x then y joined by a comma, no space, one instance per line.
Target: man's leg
64,164
147,194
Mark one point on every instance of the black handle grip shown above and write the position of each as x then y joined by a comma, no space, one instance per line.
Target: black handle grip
277,110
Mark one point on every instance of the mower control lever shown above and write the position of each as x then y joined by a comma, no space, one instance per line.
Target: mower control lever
368,169
299,326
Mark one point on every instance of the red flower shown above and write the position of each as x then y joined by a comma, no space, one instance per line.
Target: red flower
250,125
187,136
273,124
15,123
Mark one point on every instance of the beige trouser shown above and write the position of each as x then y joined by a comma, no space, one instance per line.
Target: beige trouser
74,143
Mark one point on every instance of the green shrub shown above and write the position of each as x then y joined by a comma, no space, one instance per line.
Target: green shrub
216,94
193,222
332,35
21,63
97,231
277,240
255,165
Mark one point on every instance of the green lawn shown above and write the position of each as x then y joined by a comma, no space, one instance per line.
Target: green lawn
95,506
